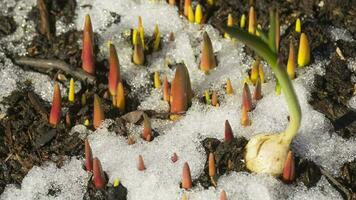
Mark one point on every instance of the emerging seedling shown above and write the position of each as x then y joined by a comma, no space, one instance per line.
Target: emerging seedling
261,73
223,195
304,51
157,38
246,98
291,65
55,114
198,14
186,177
212,169
157,80
88,47
187,4
214,99
120,97
191,17
229,135
141,165
257,94
98,115
298,26
252,21
289,169
166,90
138,56
267,153
230,23
114,70
147,129
71,92
98,175
88,156
207,61
243,21
254,72
181,91
229,89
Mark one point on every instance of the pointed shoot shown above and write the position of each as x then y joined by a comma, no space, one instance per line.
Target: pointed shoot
55,115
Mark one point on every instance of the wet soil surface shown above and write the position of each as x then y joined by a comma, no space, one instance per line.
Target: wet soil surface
26,139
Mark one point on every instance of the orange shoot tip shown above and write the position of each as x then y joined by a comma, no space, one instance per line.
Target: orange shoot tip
186,177
98,115
172,2
88,63
166,90
120,97
214,99
303,51
88,156
181,92
131,140
207,57
289,169
114,70
252,21
55,114
187,3
98,175
246,98
228,132
223,195
68,120
174,157
211,164
147,129
141,165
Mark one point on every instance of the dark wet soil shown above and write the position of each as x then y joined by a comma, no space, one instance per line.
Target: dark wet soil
26,139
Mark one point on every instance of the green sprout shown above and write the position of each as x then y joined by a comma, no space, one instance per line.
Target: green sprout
267,153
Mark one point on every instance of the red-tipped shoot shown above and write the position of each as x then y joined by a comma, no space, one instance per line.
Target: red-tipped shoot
88,47
98,115
55,115
223,195
246,98
114,70
88,156
141,165
289,168
98,175
257,94
229,135
207,61
186,177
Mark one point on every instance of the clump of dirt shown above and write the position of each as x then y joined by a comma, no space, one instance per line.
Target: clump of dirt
28,140
7,25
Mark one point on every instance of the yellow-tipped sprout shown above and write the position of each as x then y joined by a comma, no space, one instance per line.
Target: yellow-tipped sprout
255,72
198,14
191,17
298,26
252,21
291,62
116,182
230,23
243,21
303,51
86,122
141,30
210,2
229,89
259,27
207,97
71,92
157,80
157,38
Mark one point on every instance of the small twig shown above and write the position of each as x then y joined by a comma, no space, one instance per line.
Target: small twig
336,183
44,19
55,64
37,105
